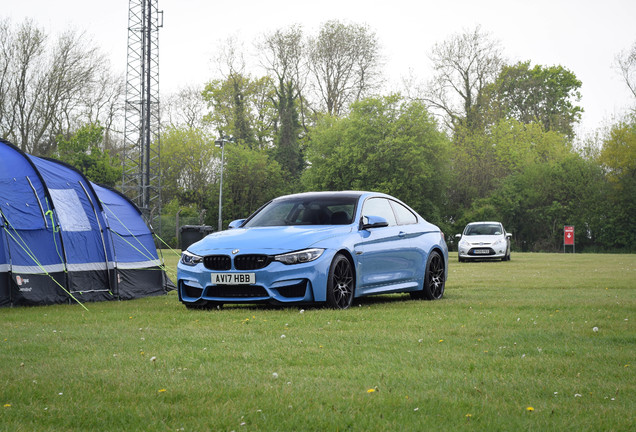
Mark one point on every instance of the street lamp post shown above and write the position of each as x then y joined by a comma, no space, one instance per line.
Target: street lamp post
221,143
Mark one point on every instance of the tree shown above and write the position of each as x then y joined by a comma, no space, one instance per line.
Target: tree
344,60
189,165
250,179
618,158
241,107
535,203
283,58
464,65
384,144
43,85
482,159
82,150
546,95
626,62
287,149
185,108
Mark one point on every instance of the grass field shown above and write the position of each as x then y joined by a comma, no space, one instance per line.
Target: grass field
545,342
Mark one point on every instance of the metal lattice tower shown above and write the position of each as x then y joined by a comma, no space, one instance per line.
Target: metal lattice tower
141,180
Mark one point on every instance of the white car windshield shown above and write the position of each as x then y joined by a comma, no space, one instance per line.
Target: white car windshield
483,229
322,210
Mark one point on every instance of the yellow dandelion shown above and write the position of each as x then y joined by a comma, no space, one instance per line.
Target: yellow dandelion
529,409
7,405
468,415
371,390
162,390
441,340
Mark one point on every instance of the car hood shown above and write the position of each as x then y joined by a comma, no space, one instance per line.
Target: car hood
486,239
268,240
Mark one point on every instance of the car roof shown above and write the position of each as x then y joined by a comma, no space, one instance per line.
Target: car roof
351,194
482,223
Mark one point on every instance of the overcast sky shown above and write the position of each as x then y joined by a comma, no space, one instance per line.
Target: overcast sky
583,36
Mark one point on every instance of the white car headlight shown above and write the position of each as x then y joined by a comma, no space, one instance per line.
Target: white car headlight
299,257
190,259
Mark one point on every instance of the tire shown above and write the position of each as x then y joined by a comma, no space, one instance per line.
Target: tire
340,283
433,286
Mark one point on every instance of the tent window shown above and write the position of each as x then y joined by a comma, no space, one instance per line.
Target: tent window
70,210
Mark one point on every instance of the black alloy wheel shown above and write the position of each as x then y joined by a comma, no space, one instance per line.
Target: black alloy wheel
341,283
434,282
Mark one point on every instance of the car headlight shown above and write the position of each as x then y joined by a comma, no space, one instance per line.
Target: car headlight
299,257
190,259
499,242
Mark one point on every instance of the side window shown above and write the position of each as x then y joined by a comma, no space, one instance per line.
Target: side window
379,207
404,215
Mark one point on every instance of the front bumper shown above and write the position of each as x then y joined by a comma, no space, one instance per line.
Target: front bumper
276,283
482,251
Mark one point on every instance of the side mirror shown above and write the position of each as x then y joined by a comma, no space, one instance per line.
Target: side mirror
368,222
508,235
458,236
235,223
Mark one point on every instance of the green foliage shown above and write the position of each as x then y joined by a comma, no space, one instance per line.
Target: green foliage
482,160
384,144
250,179
619,152
547,95
241,107
287,149
188,165
83,151
618,157
535,204
174,215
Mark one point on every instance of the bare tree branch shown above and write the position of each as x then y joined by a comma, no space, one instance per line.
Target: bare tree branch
464,65
626,62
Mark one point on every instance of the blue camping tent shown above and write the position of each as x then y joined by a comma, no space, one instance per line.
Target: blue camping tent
138,267
64,239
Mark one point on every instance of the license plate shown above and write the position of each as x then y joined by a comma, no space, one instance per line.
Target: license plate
233,278
481,251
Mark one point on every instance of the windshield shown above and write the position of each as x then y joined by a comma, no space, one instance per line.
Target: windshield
483,229
322,210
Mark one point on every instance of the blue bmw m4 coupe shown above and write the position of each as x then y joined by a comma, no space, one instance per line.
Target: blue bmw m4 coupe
318,247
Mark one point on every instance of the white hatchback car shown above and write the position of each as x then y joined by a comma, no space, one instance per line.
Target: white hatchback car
484,240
